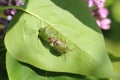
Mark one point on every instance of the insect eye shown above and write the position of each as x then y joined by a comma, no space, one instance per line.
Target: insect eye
39,30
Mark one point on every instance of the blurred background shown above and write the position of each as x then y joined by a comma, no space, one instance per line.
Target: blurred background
112,36
112,39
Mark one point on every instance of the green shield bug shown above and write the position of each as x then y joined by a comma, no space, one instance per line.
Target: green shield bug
47,32
61,46
51,35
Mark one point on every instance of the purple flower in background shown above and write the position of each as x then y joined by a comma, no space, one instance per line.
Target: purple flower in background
3,21
9,13
17,2
100,13
90,3
4,2
104,23
99,3
9,17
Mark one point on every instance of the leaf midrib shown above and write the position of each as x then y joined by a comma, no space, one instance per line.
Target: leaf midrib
41,19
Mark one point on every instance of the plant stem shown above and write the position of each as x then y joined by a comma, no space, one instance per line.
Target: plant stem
24,10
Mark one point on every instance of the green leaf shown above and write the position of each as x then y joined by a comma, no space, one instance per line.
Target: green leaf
17,70
116,66
74,22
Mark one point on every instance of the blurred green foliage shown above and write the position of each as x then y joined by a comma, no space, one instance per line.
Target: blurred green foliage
2,15
3,73
112,36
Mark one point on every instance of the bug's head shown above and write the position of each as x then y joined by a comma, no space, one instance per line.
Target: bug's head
52,39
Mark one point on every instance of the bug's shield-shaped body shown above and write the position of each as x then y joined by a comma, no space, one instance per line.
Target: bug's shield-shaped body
46,33
61,47
50,35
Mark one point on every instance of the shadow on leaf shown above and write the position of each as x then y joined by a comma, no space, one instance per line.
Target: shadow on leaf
52,74
114,58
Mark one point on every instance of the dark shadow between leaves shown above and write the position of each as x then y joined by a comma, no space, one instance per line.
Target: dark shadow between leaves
83,15
114,58
3,72
52,74
60,74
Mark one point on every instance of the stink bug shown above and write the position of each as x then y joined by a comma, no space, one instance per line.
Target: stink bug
51,35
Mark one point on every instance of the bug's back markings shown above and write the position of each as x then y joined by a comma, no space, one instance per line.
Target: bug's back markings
50,35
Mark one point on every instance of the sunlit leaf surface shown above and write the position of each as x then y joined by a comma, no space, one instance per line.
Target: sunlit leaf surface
74,22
